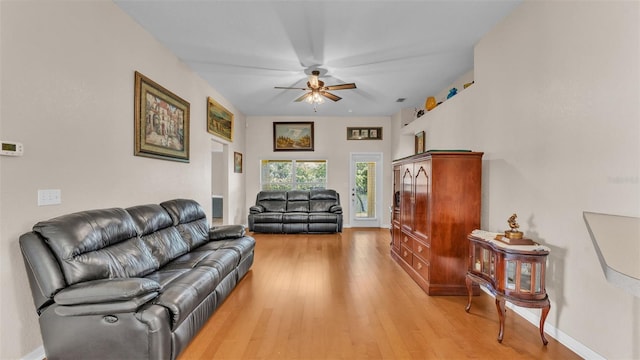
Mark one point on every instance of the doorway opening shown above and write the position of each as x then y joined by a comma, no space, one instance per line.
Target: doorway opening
219,176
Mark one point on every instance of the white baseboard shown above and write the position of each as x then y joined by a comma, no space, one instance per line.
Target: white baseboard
566,340
37,354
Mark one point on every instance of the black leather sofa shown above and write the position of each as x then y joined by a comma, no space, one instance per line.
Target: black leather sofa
135,283
296,211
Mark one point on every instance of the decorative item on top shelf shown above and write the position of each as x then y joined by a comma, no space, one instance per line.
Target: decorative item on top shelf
420,142
418,113
430,104
513,236
452,93
469,84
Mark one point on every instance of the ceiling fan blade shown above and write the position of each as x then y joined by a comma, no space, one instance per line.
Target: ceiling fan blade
340,87
330,96
303,97
290,88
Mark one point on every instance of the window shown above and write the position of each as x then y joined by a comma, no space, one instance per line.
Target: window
293,174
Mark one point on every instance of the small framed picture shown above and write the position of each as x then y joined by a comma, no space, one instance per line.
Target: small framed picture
237,162
364,133
420,142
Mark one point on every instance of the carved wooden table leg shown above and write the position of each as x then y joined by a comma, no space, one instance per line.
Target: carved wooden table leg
501,315
470,291
543,317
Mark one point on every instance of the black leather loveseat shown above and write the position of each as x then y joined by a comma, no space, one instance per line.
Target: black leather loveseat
135,283
296,211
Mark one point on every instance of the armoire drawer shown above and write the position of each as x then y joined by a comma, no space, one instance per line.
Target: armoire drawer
421,266
421,249
406,254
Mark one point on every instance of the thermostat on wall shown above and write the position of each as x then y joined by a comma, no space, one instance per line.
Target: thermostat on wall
10,148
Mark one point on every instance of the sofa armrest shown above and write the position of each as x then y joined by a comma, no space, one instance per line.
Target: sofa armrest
107,308
336,209
256,209
226,232
106,290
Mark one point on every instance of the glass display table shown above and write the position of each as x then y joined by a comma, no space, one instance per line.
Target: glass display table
514,273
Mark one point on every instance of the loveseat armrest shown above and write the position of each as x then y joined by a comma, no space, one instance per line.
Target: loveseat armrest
256,209
226,232
106,290
336,209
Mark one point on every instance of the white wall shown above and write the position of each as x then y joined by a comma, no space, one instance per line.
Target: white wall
330,144
555,107
67,76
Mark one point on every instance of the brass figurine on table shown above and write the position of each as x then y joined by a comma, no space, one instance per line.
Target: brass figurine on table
513,233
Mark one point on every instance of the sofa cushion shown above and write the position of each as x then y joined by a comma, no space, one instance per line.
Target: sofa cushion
156,230
322,200
267,218
323,218
226,232
243,246
97,244
298,195
223,260
295,217
272,201
297,201
190,220
182,295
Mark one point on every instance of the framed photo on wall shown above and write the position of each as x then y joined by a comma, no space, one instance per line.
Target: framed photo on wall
219,120
293,136
237,162
420,142
161,121
364,133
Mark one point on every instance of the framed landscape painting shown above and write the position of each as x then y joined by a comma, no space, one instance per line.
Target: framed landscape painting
219,120
161,121
293,136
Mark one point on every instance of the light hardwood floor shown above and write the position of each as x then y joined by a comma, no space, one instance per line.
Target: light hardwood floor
341,296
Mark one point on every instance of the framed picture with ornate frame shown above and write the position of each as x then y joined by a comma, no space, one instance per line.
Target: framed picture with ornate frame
420,142
161,121
364,133
219,120
293,136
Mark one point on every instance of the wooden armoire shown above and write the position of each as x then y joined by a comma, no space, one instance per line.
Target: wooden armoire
436,204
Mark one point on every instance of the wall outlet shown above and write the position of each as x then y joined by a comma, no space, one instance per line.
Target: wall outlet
49,197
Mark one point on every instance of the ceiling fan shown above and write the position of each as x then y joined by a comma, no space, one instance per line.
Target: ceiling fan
317,90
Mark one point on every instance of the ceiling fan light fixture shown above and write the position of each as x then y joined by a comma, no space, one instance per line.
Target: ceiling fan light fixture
315,98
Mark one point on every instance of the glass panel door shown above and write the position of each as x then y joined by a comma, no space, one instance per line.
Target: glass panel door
365,190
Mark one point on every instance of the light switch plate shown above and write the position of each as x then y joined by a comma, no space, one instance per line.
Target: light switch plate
49,197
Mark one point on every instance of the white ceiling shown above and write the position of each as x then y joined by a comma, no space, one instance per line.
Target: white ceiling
390,49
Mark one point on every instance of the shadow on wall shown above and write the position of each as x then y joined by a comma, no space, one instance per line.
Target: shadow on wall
555,272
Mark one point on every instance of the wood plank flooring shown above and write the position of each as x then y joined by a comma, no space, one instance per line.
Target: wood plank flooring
341,296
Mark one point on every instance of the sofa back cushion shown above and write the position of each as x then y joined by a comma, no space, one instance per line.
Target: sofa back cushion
322,200
190,220
155,227
272,201
96,244
298,201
